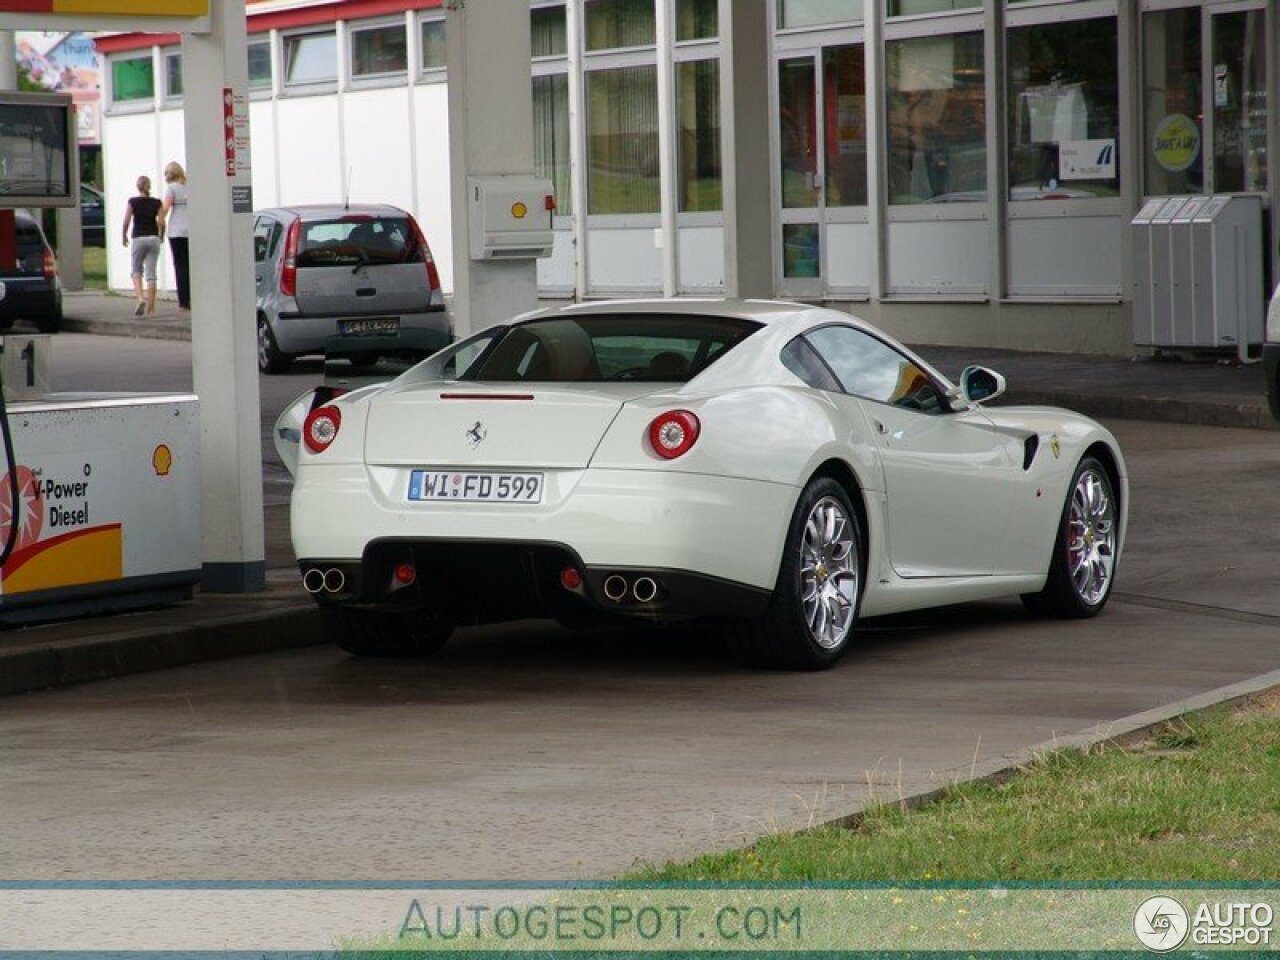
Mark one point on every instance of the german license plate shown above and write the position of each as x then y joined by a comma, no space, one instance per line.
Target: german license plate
476,487
371,325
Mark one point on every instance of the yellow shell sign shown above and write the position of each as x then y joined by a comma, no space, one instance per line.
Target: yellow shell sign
144,8
518,210
1176,143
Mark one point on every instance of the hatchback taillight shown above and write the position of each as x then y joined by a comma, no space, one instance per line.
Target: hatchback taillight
289,261
674,433
321,428
49,266
433,277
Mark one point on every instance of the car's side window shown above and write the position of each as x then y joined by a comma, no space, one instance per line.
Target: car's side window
870,368
800,358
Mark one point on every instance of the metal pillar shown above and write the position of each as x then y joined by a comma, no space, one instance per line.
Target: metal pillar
490,132
744,112
223,328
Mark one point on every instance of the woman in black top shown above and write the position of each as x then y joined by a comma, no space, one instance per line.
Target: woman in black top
146,235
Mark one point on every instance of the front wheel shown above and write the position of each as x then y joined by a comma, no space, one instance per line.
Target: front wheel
377,633
1084,551
270,359
814,610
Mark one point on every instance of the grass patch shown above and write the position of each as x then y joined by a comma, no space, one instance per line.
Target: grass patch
1199,799
95,268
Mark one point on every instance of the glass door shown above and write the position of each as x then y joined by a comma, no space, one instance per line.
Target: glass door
800,177
1238,94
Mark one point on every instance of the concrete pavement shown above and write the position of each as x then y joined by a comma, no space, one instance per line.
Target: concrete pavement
211,626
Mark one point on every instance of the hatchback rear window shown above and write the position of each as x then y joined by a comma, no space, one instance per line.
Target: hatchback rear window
355,240
603,348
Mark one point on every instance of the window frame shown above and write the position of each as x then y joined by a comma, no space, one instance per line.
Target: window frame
940,385
380,77
133,104
168,56
434,73
305,87
268,89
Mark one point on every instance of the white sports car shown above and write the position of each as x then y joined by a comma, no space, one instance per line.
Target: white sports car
779,469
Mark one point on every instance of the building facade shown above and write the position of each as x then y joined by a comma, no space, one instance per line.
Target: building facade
961,171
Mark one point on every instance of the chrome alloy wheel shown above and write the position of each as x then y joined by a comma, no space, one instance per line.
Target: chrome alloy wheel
1091,536
266,349
829,574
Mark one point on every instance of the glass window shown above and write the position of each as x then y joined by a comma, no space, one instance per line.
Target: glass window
812,13
870,368
433,50
800,358
133,79
698,113
260,65
801,250
311,58
910,8
1063,110
551,137
1239,102
378,51
358,240
937,120
547,31
652,347
798,132
1173,160
262,238
622,140
845,116
173,75
619,23
697,19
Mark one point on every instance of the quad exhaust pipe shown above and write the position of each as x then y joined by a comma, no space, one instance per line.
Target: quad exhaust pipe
316,580
641,590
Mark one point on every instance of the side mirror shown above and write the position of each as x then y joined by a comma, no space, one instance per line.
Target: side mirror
978,385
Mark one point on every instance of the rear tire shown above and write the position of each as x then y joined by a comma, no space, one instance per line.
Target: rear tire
814,611
270,359
377,633
1082,570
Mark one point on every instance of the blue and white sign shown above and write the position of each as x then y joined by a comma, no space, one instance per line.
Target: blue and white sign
1087,159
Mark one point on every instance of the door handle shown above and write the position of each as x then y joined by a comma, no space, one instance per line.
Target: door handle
880,427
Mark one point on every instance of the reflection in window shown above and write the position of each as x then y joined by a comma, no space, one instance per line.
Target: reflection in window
870,368
1240,102
132,79
697,19
845,119
798,132
547,32
311,58
1063,109
378,51
260,65
433,52
937,120
622,140
1174,161
812,13
551,137
611,24
698,113
801,250
173,75
911,8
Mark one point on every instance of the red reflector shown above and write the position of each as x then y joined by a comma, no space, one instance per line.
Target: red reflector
548,202
321,428
486,396
674,433
570,578
405,573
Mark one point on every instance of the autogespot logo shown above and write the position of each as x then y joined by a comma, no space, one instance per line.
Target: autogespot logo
1161,924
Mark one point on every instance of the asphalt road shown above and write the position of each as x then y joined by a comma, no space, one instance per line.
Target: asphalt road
529,752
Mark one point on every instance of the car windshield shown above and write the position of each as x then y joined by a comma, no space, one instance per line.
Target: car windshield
357,239
608,347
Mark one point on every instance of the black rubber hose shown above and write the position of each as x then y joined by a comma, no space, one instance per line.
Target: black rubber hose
15,504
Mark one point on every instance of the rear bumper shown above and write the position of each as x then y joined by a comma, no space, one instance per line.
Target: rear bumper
30,297
1271,364
303,333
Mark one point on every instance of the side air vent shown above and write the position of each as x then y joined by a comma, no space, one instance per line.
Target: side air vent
1029,448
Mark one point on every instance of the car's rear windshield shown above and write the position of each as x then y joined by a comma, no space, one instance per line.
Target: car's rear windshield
357,239
607,347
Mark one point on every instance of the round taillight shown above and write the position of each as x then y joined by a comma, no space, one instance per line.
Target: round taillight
674,433
321,428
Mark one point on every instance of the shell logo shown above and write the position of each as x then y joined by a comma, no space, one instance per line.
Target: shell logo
162,460
519,210
29,513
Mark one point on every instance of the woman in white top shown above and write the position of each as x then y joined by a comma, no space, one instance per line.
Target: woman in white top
175,223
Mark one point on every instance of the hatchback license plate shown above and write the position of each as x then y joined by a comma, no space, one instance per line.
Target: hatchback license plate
371,325
476,487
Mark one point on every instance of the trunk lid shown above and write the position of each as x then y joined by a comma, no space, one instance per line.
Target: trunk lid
360,265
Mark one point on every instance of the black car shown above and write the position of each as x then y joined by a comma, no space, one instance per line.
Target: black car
92,217
29,287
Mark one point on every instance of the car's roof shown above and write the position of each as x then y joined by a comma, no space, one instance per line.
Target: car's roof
760,311
330,211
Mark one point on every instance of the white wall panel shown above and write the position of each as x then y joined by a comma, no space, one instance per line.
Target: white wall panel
431,158
378,158
556,272
1065,256
132,149
263,153
849,257
310,165
938,256
701,259
623,260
